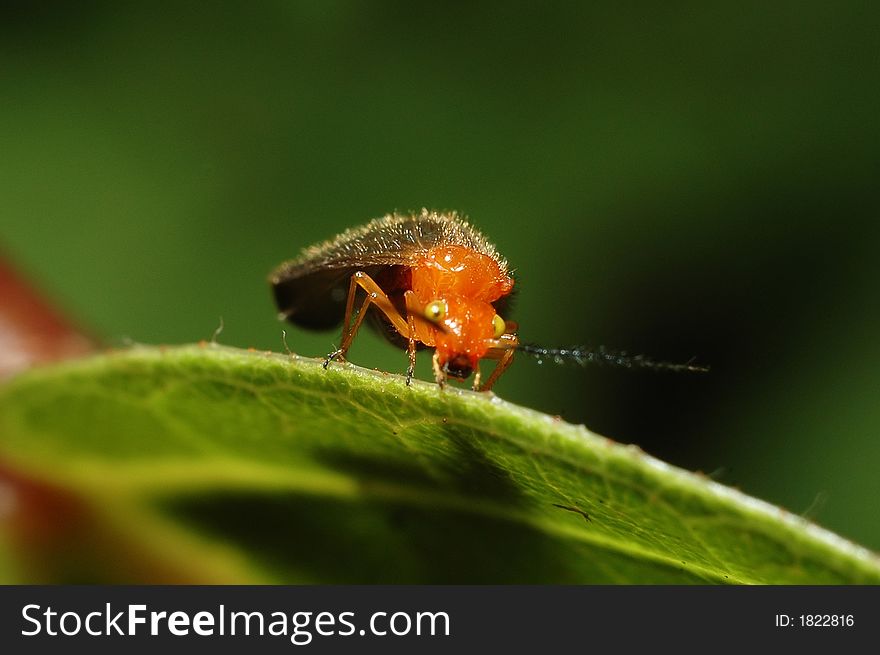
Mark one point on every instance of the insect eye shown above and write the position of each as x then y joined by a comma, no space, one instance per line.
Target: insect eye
498,325
435,311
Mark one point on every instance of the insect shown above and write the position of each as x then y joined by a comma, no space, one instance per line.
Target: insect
426,280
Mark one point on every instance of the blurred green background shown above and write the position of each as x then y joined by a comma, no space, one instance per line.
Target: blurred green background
678,180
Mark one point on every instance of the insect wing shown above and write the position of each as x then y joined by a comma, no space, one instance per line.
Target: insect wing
313,299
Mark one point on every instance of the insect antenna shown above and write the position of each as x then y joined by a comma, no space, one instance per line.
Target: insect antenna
584,356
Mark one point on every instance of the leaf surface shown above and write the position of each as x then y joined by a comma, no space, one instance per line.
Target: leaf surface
211,464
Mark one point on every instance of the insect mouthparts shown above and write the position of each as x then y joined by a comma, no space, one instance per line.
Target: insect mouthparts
458,366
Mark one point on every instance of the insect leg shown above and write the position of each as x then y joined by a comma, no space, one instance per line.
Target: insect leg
375,296
503,351
411,350
505,359
349,303
339,353
439,375
476,386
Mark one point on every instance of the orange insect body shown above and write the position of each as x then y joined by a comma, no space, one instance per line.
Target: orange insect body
468,282
430,279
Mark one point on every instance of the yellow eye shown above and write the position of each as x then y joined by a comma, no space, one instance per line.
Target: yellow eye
498,325
435,311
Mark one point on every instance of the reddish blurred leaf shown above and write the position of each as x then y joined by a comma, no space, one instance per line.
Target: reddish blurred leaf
34,515
31,330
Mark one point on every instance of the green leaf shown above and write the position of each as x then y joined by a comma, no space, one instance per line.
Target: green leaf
210,464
